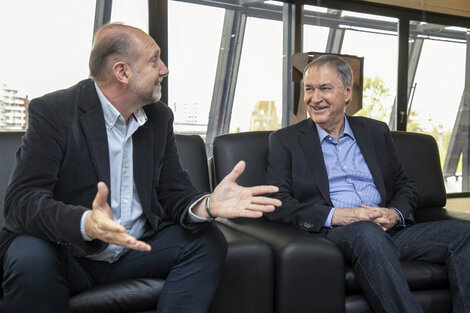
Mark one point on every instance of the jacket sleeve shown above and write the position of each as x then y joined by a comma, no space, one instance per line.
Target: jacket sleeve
402,190
304,209
30,207
175,191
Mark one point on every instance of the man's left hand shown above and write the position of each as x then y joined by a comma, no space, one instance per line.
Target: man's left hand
387,217
231,200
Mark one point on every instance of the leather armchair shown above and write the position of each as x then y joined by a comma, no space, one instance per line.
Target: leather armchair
310,272
247,281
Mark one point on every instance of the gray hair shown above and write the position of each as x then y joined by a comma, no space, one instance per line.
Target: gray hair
112,40
342,67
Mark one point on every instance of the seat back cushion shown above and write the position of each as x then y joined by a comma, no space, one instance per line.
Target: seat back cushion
419,155
9,143
193,158
251,147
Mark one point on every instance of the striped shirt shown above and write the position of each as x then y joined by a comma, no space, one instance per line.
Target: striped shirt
350,180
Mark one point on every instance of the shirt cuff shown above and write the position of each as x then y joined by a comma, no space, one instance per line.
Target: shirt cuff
401,217
82,227
329,218
193,218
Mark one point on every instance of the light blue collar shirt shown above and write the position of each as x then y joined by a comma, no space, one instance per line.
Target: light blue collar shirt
350,180
125,201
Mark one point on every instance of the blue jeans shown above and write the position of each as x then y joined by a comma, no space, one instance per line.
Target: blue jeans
40,276
375,256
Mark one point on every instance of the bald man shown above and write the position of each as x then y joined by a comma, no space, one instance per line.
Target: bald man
98,194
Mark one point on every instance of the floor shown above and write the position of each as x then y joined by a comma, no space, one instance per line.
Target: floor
459,204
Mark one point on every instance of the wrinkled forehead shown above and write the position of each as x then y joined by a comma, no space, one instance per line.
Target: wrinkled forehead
321,74
145,44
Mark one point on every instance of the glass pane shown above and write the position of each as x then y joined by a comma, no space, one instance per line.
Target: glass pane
436,96
315,38
131,12
380,51
194,33
45,47
258,96
372,37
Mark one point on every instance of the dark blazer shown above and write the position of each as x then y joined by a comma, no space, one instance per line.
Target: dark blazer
297,167
64,154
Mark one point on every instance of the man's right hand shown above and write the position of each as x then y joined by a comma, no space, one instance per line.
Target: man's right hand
99,224
347,216
384,217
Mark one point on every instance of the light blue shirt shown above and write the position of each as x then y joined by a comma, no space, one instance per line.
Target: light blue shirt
351,182
125,202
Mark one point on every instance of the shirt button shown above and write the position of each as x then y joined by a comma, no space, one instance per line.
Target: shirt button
125,171
345,167
125,201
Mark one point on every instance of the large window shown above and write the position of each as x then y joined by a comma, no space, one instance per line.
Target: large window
436,104
315,36
131,12
379,48
45,47
258,95
372,37
194,33
228,59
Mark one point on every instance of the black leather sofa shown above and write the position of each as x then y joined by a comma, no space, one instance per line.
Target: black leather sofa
310,272
247,282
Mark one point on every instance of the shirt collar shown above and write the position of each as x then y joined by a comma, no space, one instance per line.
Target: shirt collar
322,134
111,114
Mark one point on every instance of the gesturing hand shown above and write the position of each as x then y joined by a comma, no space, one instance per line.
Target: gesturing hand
99,224
232,200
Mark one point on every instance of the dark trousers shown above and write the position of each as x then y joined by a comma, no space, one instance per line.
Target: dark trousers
375,256
40,276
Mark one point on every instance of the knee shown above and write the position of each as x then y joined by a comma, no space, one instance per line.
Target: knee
367,239
30,259
213,245
366,232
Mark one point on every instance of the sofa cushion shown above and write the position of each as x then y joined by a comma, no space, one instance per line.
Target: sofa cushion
420,276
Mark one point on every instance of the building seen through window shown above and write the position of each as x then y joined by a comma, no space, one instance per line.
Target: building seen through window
13,110
45,47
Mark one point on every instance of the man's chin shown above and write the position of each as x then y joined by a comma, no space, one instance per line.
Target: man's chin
319,118
157,96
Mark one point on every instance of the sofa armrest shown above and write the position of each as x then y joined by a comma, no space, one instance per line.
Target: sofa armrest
430,214
309,270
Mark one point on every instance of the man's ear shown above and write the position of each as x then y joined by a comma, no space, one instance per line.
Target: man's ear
121,71
348,94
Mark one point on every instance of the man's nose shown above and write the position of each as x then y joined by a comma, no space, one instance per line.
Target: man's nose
163,70
316,96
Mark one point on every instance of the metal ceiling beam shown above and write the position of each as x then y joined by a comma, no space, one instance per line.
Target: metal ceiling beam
102,14
226,76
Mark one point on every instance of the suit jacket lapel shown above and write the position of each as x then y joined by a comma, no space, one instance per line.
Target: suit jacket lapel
366,144
94,128
142,142
310,144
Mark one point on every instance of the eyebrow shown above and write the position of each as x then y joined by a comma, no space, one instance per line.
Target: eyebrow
322,85
154,55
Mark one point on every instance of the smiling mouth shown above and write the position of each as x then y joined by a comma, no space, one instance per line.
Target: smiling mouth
315,108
